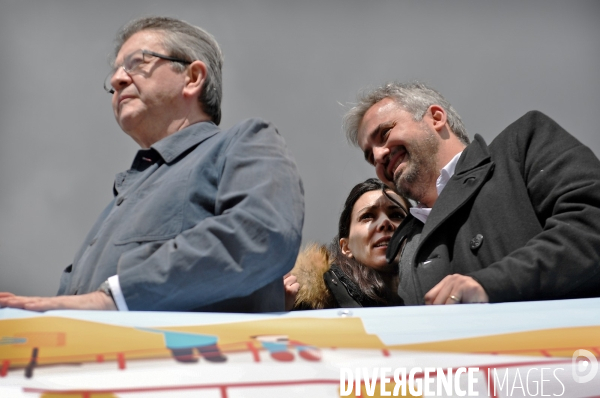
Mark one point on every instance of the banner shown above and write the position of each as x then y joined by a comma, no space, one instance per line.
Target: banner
528,349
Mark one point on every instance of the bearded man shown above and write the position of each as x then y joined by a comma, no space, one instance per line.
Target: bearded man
516,220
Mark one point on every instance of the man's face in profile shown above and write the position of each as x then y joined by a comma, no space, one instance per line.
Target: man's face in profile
403,151
145,100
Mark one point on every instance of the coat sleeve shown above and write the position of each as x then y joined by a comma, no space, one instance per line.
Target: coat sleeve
251,240
562,178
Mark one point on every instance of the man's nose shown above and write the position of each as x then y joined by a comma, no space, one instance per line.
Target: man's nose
380,154
120,79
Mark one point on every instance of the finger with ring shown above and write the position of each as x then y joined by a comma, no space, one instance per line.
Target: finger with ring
453,297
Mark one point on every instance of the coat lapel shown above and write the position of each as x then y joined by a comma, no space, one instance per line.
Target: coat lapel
399,236
473,169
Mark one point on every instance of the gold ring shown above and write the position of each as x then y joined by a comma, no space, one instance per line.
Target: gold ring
455,298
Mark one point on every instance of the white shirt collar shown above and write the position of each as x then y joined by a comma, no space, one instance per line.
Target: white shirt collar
420,212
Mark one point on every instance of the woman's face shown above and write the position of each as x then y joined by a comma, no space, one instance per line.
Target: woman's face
373,220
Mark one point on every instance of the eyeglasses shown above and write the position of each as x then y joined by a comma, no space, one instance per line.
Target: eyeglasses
133,63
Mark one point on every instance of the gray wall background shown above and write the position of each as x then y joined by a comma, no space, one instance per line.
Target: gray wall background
292,62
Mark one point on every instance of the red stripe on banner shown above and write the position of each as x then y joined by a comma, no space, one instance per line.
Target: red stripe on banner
546,350
193,387
223,392
254,351
546,353
5,366
224,387
121,360
100,358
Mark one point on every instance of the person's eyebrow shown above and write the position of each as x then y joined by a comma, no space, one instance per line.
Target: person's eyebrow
394,206
367,208
383,126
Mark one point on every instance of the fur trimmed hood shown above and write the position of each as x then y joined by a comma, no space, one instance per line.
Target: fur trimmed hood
312,262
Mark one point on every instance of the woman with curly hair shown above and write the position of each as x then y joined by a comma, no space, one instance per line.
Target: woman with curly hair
352,271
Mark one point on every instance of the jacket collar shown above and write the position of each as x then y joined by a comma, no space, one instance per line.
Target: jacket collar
473,169
400,234
172,146
474,155
168,149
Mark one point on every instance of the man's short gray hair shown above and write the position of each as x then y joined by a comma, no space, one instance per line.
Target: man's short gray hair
414,97
189,42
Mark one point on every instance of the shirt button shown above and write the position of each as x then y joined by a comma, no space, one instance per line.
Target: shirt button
476,242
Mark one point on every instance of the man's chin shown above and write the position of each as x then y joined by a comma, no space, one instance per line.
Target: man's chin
400,184
127,121
405,188
387,181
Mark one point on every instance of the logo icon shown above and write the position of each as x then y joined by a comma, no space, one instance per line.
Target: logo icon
584,366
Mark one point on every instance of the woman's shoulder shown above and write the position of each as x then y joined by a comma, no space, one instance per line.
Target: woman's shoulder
347,294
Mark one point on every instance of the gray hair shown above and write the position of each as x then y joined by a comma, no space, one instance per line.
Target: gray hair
414,97
188,42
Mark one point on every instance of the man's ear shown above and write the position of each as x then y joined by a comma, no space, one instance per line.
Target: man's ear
345,249
194,79
438,117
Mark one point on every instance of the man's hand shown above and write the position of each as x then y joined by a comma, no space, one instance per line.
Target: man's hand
291,285
90,301
455,289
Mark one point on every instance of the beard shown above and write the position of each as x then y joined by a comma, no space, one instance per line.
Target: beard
422,170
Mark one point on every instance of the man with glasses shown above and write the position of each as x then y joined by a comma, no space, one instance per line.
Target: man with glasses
517,220
205,220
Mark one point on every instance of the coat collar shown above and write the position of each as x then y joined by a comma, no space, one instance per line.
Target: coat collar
168,149
399,236
473,156
473,169
172,146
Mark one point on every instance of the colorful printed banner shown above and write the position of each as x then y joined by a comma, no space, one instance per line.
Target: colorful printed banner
487,350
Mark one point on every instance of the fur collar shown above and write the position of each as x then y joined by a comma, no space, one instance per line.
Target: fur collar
312,262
